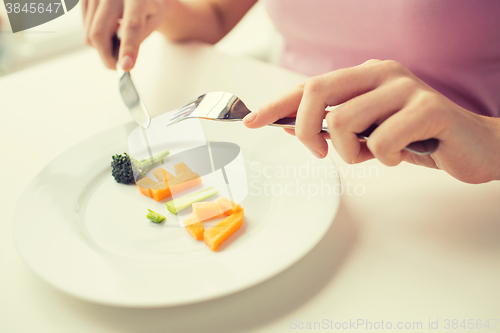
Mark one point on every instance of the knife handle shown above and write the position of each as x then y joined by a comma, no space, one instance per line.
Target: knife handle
115,46
115,49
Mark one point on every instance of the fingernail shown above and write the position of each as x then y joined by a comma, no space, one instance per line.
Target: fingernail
126,63
317,154
250,117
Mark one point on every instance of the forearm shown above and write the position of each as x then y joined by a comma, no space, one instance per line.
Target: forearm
202,20
495,125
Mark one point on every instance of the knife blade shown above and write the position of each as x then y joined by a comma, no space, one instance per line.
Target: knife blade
129,92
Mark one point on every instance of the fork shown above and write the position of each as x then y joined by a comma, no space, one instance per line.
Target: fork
224,106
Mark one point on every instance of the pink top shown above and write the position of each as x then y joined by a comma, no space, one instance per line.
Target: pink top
452,45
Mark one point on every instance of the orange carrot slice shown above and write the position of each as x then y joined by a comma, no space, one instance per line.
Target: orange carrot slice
180,168
227,206
219,233
194,228
184,181
205,210
152,189
160,191
145,184
165,189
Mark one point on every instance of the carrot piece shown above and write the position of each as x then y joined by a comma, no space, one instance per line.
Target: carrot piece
160,192
145,191
183,182
227,206
162,175
219,233
194,228
165,189
145,184
190,220
152,189
205,210
180,168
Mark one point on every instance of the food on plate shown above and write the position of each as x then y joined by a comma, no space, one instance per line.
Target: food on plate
150,161
169,184
219,233
176,205
216,235
145,184
195,229
205,210
123,166
162,175
184,181
166,184
122,169
227,207
155,217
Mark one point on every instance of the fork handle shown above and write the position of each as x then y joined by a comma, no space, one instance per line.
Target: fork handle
424,147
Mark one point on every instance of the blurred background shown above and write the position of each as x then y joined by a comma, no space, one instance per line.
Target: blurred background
255,36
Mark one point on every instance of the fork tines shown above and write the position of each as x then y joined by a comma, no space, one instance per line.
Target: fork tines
184,111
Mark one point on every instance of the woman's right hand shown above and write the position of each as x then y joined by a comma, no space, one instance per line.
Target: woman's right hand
138,19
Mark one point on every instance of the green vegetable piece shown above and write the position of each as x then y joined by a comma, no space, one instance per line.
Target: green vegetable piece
176,205
155,217
124,167
148,162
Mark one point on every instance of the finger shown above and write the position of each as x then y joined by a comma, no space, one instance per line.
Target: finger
291,131
103,28
364,153
333,89
310,116
359,113
89,16
347,83
342,85
415,122
84,8
347,143
283,106
133,33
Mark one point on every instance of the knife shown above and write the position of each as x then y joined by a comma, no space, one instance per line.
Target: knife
128,91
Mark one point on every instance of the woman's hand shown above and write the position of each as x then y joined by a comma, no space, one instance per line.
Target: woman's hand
201,20
138,19
406,110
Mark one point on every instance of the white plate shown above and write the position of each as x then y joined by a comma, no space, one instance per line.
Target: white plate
88,236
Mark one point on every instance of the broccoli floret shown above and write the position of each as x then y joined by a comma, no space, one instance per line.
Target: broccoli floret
122,169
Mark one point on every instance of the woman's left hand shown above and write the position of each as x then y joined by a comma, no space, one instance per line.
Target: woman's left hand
405,108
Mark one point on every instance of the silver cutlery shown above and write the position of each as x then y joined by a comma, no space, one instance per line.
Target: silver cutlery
224,106
129,93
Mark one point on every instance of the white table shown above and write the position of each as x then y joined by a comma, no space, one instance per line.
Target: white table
413,245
